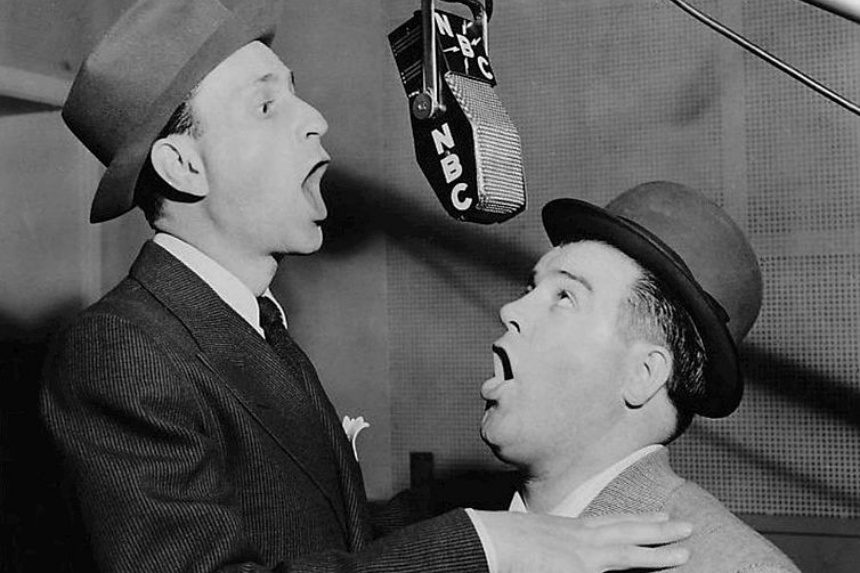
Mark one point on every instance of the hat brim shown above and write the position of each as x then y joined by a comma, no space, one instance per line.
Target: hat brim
115,193
570,220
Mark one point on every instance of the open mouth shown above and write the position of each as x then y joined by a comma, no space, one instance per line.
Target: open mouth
504,362
503,373
315,175
311,186
318,169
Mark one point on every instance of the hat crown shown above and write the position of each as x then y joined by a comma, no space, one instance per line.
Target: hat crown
134,79
710,244
132,66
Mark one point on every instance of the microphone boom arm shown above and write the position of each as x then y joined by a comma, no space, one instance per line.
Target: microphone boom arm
843,10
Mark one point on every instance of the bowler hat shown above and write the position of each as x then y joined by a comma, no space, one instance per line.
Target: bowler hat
143,69
697,252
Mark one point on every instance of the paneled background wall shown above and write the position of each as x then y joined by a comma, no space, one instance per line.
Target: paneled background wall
400,308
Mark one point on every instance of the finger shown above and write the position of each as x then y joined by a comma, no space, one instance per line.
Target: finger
656,517
632,533
626,557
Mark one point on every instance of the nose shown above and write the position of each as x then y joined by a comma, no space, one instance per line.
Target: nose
314,124
510,315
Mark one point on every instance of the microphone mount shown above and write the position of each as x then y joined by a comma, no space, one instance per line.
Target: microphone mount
428,103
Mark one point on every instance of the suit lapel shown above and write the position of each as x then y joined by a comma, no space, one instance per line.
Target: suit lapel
643,487
352,484
271,391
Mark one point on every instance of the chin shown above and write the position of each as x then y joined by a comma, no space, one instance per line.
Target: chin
309,250
308,246
317,241
503,446
501,454
491,437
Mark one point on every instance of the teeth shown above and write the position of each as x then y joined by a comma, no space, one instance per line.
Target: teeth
502,362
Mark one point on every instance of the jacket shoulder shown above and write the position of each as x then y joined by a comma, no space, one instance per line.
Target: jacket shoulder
125,340
721,541
127,310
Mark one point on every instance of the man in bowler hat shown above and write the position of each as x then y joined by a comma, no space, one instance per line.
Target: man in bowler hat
196,432
629,329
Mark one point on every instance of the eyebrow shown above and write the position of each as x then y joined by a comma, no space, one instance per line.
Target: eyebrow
273,77
577,278
566,274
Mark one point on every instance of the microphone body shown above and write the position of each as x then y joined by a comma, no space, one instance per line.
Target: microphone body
468,149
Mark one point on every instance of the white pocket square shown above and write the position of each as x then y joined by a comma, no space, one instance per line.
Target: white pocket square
352,427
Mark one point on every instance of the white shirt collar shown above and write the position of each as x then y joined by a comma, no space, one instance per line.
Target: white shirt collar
225,284
577,500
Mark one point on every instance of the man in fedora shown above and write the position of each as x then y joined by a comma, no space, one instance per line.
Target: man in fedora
196,432
629,329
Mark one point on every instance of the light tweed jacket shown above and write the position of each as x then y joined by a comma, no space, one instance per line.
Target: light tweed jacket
721,543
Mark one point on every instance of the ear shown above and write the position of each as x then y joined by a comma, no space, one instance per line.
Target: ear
651,368
175,158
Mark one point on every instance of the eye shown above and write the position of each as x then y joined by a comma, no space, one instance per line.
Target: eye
566,298
266,107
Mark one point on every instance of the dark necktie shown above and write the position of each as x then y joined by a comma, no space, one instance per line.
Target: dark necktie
294,358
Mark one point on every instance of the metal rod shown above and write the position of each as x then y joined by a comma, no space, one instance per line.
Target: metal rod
483,18
770,58
428,24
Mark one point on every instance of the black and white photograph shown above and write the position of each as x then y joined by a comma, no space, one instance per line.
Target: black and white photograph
388,286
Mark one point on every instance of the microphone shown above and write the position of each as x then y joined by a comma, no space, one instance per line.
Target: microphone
465,143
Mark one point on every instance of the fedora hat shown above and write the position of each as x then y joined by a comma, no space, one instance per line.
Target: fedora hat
697,252
147,63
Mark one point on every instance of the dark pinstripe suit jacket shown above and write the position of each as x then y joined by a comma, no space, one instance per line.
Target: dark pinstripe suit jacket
192,447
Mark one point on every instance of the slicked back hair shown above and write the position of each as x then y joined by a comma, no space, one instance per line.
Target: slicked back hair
152,190
654,314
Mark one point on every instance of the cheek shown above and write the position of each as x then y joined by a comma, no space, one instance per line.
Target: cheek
230,170
278,182
559,389
529,428
535,405
552,365
241,155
